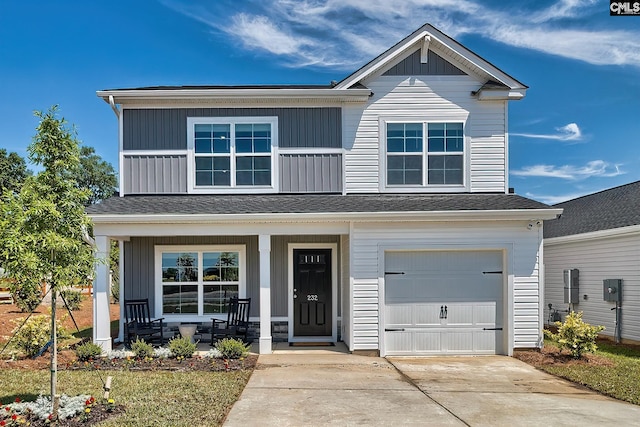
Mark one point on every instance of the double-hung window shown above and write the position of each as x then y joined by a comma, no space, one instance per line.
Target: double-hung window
423,154
232,152
197,281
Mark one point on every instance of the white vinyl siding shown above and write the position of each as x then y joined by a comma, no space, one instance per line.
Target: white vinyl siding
522,315
597,259
425,98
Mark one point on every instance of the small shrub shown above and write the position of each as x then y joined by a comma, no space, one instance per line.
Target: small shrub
141,349
73,298
117,354
575,335
182,347
27,296
231,348
88,351
35,333
214,353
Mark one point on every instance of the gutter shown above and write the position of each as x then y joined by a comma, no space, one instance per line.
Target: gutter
490,215
123,95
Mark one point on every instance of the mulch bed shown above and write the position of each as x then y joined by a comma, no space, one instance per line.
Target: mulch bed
549,356
196,363
68,360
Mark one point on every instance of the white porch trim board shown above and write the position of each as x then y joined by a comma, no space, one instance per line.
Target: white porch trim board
101,290
264,247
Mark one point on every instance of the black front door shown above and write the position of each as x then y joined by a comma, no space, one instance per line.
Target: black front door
312,292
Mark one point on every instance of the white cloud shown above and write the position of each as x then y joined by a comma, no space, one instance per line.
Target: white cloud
260,32
569,132
342,33
595,168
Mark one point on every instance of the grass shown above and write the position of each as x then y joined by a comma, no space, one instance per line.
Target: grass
621,380
151,398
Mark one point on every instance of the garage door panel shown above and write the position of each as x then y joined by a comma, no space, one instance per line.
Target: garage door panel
427,342
468,284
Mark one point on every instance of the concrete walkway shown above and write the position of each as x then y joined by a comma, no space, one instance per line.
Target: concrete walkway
316,386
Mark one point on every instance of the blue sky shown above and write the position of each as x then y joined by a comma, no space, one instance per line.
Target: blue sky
576,132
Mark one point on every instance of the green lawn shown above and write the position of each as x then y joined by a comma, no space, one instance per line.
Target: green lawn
621,380
150,398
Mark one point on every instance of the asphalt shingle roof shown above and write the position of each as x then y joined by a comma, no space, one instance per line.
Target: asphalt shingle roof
613,208
306,203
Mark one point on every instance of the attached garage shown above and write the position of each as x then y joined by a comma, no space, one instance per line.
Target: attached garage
444,302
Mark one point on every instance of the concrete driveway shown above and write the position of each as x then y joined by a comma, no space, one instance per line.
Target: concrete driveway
320,388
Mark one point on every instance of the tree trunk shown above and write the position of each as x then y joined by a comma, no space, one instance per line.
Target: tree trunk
54,354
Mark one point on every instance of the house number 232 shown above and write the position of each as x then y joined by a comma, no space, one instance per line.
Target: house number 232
312,297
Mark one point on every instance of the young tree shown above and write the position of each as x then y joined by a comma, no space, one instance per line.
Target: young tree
43,229
13,171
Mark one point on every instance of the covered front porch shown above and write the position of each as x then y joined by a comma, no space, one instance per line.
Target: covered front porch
296,275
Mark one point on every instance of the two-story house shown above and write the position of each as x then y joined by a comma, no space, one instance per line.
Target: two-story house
374,211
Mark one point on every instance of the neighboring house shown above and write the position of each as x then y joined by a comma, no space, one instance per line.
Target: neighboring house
599,235
375,210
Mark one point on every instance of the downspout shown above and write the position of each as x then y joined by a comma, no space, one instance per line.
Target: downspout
113,106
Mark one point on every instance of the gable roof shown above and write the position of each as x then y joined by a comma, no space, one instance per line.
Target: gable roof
460,56
605,210
325,206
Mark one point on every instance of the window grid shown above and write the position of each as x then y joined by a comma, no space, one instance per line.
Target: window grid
233,154
198,282
422,154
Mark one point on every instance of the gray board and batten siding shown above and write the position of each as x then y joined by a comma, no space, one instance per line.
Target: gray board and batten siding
166,128
139,268
167,174
435,66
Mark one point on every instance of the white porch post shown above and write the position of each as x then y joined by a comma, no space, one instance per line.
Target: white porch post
264,246
101,289
121,290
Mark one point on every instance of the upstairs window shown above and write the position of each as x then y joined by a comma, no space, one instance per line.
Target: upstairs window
423,154
234,152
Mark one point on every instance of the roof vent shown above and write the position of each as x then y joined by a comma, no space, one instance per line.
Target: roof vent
334,83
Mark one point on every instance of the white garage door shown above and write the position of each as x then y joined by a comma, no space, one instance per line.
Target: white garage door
446,302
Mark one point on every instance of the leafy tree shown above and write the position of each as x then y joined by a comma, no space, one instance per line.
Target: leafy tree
96,175
13,171
43,229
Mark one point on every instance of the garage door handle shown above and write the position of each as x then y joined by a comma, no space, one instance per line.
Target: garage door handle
491,329
394,330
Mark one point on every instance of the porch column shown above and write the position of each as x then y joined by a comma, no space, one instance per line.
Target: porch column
264,246
121,289
101,290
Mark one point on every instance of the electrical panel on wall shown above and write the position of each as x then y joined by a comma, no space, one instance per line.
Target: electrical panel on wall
571,289
612,290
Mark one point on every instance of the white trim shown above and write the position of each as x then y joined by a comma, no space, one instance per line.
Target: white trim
438,41
505,248
506,148
120,155
593,235
128,153
157,279
122,96
480,215
334,290
310,151
424,51
232,188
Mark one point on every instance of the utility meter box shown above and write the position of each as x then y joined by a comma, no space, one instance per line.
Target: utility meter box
571,290
612,290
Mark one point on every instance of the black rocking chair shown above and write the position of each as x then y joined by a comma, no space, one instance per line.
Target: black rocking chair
138,323
237,323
